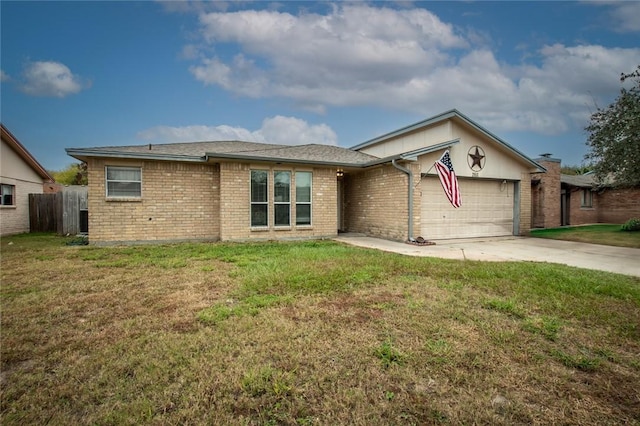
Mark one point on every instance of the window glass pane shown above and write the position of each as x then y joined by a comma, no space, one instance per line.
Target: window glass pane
123,173
281,187
258,186
258,215
303,214
282,214
7,195
124,189
303,187
124,182
586,198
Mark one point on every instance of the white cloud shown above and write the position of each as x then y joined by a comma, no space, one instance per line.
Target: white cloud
409,60
626,16
354,43
160,134
294,131
277,130
4,76
48,78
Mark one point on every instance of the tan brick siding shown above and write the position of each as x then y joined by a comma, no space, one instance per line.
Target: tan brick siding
235,193
15,219
180,201
525,204
376,202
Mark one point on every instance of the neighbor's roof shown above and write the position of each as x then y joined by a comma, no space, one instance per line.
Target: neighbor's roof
15,144
248,151
582,181
451,114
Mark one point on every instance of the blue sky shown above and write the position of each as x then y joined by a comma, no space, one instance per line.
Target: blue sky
82,74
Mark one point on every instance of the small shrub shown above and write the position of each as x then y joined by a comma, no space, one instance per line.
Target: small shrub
631,225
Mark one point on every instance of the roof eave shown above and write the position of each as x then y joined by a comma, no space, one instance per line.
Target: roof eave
81,154
445,116
260,159
410,128
15,144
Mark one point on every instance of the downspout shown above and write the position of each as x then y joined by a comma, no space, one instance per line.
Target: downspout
410,195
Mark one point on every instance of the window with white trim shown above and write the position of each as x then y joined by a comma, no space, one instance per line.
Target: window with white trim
124,182
259,198
587,198
303,198
8,195
281,198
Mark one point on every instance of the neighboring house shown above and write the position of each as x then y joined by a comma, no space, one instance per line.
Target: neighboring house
20,175
560,200
386,187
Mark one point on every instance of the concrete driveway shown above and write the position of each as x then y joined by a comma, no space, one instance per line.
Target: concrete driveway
590,256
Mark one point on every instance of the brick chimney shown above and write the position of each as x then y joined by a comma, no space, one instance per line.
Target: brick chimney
546,194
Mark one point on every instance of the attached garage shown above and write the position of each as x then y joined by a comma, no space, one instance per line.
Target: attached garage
487,209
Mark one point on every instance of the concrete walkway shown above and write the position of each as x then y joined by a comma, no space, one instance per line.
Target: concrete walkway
590,256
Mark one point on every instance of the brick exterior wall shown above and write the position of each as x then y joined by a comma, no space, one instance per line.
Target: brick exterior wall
180,201
525,204
545,199
609,206
235,193
577,214
376,202
617,205
15,219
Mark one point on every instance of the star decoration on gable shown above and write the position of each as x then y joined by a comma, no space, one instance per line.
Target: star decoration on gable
476,158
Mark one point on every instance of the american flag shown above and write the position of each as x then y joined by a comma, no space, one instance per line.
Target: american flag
448,179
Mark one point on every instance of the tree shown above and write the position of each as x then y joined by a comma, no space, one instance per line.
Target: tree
614,137
73,174
576,170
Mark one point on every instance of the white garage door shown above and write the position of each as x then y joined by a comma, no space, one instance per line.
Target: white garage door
486,211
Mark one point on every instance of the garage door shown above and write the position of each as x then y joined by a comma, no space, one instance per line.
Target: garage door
486,211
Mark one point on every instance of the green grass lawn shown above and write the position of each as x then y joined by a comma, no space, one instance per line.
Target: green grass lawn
309,333
610,235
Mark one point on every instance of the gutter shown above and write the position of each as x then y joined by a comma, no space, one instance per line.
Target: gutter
409,196
80,153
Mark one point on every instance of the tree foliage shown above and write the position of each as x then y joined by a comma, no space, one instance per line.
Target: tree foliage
73,174
576,170
614,137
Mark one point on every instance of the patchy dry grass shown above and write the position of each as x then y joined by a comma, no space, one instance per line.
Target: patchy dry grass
309,333
610,235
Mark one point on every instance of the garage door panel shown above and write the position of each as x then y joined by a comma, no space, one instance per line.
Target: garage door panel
487,209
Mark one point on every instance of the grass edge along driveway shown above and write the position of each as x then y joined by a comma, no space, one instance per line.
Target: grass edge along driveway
607,234
307,333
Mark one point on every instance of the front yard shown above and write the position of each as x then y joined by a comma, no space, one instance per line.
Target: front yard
606,234
309,333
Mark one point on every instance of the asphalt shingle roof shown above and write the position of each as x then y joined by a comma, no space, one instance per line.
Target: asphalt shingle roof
582,181
237,149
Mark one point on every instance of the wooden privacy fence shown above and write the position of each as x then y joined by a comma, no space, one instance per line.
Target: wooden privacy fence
43,215
63,212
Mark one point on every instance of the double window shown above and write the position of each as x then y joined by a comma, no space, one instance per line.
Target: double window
124,182
8,195
281,189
